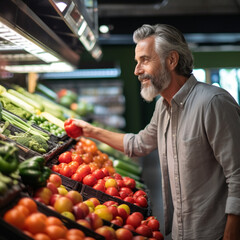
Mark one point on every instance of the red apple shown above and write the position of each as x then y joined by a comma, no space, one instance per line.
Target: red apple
107,232
53,198
113,210
74,196
84,223
123,234
80,210
52,187
94,220
110,203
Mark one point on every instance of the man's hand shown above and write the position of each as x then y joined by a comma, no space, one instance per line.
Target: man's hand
232,229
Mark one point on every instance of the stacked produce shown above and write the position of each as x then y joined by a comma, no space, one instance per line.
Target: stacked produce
92,214
86,185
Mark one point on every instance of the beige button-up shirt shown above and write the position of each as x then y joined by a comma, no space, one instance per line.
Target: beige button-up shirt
199,150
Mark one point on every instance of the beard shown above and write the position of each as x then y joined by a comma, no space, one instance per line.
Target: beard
157,84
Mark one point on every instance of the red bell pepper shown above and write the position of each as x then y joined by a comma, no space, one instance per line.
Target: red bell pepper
71,129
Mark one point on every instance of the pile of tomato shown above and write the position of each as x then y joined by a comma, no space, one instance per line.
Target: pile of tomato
26,217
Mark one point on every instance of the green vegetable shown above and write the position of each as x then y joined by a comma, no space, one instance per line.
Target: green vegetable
128,167
16,121
8,157
30,101
16,101
127,174
47,91
8,105
33,172
34,142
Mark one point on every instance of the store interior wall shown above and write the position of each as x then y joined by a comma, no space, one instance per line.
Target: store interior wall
138,112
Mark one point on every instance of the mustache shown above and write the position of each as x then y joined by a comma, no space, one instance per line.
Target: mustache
145,76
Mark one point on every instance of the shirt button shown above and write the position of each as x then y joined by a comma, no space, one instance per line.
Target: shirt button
181,103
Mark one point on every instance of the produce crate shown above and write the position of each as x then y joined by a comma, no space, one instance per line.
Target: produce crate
25,153
88,192
5,227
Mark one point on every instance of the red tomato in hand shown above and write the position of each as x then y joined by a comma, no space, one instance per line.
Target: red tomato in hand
65,157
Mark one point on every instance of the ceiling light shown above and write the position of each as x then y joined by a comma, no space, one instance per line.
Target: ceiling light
23,43
104,29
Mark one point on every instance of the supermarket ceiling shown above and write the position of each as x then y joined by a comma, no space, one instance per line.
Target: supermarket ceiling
204,22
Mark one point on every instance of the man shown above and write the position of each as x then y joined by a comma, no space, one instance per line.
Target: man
196,128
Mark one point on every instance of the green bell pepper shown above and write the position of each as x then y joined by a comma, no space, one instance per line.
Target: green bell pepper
8,157
33,172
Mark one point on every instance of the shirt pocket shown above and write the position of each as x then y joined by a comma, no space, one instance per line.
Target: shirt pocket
192,152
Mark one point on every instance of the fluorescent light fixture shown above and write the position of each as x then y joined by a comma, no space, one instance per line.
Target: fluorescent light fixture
52,67
61,6
82,28
23,43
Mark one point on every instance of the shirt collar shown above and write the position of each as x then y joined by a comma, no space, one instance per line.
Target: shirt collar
181,96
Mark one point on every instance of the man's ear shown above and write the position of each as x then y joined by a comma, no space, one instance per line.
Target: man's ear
172,60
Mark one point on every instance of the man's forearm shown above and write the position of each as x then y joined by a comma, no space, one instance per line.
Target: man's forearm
232,229
113,139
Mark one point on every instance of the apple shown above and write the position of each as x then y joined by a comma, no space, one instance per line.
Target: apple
80,210
104,213
126,207
68,215
84,223
74,196
44,194
52,187
144,230
55,179
123,234
53,198
107,232
113,210
63,204
95,201
94,220
110,203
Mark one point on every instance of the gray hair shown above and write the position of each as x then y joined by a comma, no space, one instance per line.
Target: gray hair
167,39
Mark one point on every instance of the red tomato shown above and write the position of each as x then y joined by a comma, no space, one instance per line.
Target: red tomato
77,158
142,201
158,235
74,166
129,199
139,193
89,180
129,182
99,174
99,187
55,168
144,230
112,191
154,224
134,220
65,157
77,177
66,171
83,170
